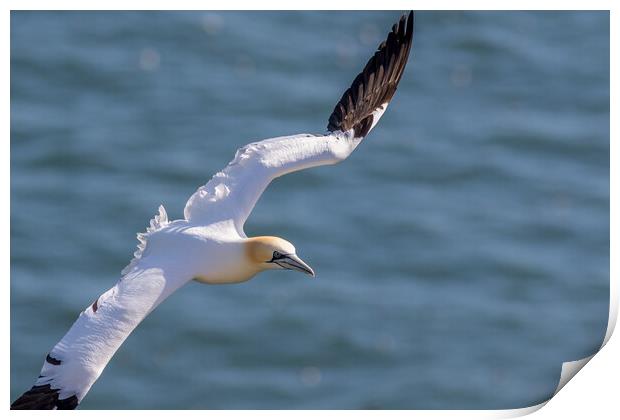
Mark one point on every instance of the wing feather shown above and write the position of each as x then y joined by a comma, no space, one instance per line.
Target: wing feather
44,397
362,104
232,193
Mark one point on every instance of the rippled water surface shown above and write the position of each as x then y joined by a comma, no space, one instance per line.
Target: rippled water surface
462,251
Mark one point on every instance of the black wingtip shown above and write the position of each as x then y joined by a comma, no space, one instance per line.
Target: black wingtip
374,87
44,397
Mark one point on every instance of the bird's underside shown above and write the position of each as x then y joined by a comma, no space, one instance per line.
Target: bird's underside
218,208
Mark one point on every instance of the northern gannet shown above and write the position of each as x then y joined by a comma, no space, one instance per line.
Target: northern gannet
208,244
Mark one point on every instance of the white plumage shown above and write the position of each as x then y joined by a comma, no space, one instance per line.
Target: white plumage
209,244
232,193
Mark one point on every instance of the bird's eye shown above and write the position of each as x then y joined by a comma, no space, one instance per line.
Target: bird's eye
276,255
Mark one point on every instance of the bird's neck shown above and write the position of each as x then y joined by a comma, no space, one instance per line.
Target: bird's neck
230,262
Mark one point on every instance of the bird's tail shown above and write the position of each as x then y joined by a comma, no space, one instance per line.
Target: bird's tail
361,106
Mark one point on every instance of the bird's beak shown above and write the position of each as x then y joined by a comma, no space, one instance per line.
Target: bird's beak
293,262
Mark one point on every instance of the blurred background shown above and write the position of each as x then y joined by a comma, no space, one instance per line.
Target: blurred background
462,252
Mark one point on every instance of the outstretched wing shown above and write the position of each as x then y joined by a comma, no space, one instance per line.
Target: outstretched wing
232,193
76,361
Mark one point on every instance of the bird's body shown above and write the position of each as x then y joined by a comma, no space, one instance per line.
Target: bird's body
209,244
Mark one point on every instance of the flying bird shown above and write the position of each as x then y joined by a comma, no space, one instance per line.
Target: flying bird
209,244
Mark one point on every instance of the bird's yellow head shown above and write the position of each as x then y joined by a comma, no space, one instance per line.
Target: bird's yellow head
271,253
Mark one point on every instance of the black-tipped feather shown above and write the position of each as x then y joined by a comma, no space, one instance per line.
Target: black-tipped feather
376,84
43,397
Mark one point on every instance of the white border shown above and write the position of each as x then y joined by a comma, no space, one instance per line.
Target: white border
593,393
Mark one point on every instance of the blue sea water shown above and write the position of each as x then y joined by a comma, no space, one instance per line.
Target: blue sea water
462,251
